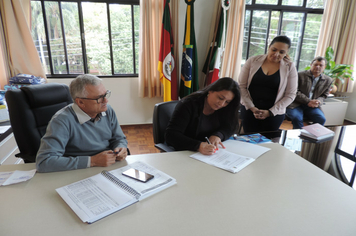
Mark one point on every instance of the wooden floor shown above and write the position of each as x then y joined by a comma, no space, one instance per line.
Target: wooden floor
140,137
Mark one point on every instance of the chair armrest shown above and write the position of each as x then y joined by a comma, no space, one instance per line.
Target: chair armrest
164,148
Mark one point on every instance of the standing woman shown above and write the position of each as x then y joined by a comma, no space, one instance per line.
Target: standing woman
211,112
268,85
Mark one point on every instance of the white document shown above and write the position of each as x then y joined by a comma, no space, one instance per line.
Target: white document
95,197
245,149
98,196
294,144
225,160
4,128
4,115
14,177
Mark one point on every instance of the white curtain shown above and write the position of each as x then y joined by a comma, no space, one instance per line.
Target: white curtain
18,51
338,30
231,64
151,13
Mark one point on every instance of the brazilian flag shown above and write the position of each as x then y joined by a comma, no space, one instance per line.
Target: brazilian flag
189,74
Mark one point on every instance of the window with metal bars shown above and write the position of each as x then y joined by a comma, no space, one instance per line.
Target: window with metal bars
93,36
300,20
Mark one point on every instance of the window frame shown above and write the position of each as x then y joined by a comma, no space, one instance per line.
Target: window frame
351,156
133,3
282,9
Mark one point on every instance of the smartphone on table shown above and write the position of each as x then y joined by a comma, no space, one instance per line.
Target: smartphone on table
138,175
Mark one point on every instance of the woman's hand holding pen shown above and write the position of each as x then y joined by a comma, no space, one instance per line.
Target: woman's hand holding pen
206,148
216,141
209,147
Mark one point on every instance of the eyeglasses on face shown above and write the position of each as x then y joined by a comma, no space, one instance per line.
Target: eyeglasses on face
101,98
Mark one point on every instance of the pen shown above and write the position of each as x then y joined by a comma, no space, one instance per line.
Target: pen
210,143
207,140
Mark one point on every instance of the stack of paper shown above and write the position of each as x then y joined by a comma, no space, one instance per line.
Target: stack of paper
4,114
316,132
98,196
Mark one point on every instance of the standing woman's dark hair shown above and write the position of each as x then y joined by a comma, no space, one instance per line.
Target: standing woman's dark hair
231,112
282,39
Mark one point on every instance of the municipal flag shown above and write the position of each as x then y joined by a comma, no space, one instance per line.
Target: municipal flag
166,64
189,72
217,48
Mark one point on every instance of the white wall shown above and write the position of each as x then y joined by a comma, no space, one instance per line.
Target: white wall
129,108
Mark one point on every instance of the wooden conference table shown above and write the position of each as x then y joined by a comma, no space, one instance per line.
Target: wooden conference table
278,194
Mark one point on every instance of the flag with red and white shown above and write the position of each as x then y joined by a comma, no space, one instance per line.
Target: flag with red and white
166,64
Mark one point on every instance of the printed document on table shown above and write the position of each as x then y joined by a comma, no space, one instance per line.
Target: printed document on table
245,149
14,177
98,196
95,197
225,160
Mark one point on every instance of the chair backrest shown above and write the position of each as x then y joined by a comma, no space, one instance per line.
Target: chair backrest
161,116
30,110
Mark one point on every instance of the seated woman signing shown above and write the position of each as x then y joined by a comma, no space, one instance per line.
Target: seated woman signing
211,112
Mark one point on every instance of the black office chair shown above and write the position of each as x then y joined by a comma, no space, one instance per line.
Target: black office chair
30,110
161,115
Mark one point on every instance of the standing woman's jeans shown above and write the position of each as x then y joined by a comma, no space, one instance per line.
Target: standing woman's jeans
252,125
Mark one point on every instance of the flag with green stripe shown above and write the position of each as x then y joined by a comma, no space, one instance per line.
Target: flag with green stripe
166,64
189,72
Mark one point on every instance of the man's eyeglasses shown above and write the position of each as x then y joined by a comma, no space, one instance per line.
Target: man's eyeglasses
101,98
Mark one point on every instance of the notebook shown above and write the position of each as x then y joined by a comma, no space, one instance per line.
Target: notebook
103,194
316,131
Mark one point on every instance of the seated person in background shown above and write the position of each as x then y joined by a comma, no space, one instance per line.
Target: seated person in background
83,134
268,85
211,112
313,88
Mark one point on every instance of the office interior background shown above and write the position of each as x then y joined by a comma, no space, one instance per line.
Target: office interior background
267,18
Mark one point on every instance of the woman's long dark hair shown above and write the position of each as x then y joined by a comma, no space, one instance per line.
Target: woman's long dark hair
230,113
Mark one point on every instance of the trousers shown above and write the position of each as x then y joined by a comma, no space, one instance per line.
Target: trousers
250,124
297,115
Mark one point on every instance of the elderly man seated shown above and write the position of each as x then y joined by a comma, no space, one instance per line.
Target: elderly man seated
313,88
83,134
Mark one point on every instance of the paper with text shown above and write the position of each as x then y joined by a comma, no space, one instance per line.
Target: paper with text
98,196
14,177
225,160
94,197
245,149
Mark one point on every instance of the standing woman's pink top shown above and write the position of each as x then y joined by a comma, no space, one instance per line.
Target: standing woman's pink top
287,87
